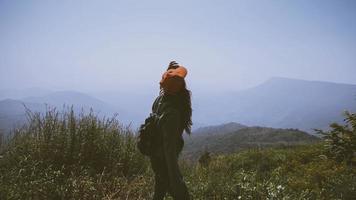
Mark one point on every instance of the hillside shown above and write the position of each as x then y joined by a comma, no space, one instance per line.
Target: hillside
244,138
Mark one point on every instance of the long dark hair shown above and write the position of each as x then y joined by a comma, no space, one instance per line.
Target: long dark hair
185,97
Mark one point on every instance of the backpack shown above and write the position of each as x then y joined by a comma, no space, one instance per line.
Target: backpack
147,135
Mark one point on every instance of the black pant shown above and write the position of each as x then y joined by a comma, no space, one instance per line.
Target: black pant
168,177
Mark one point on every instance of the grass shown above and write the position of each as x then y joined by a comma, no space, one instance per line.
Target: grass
64,155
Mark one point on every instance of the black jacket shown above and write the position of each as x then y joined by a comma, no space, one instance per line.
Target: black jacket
168,108
164,160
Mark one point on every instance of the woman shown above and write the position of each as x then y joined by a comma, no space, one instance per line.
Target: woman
173,107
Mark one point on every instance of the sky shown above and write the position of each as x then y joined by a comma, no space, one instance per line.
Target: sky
126,45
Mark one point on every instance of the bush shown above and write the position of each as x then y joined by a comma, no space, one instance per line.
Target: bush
341,140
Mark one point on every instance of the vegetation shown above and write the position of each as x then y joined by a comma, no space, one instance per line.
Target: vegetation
61,155
285,173
234,140
68,156
340,142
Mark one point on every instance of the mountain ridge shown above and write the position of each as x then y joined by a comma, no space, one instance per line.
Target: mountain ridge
13,111
278,102
222,128
243,138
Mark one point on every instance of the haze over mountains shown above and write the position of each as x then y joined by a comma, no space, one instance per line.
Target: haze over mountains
283,103
12,111
278,102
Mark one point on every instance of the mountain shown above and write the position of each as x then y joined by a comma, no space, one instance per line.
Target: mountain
218,129
278,103
12,112
243,138
23,93
137,104
282,103
71,98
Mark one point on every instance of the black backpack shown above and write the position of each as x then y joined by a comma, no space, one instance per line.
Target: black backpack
148,134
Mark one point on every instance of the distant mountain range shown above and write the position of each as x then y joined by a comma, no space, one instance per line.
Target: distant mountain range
282,103
70,98
278,103
233,137
12,111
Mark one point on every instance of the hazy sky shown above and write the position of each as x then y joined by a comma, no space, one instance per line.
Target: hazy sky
107,45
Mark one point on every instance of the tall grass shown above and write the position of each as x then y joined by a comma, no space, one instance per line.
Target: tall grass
61,155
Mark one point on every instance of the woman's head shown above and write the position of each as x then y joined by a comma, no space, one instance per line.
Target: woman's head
172,79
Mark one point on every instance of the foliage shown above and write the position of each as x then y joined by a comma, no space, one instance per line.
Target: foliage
341,140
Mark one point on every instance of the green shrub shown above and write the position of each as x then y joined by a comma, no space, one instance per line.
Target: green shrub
341,140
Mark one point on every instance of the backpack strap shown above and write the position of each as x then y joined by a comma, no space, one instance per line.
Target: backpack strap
155,109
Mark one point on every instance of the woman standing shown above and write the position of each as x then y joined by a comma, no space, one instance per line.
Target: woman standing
173,107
